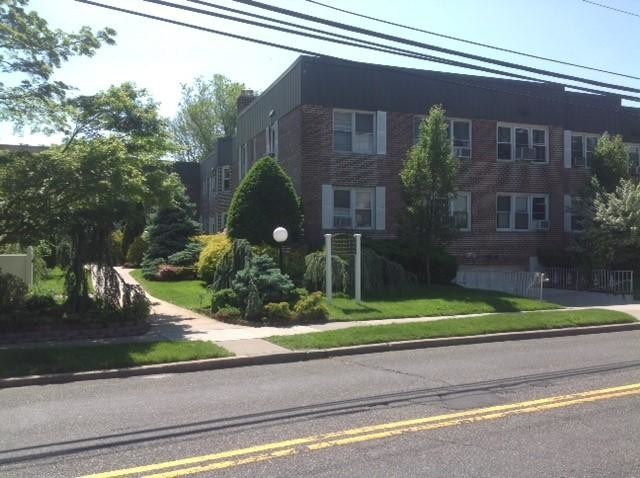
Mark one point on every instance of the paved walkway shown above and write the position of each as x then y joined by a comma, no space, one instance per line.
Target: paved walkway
171,322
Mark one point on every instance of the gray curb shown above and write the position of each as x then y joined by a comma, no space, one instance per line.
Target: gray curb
299,356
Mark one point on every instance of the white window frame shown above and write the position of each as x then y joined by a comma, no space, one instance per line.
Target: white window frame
420,118
352,207
633,148
226,178
467,196
272,139
584,137
512,212
353,131
531,144
243,162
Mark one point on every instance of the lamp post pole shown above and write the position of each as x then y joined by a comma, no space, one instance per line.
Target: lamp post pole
280,235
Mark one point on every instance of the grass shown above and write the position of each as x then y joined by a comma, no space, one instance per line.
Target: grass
451,328
53,284
33,361
423,301
190,294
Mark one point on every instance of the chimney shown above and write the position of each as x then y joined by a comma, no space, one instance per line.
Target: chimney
245,99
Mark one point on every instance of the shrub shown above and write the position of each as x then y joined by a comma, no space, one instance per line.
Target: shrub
39,302
311,308
136,305
169,231
136,251
186,257
223,299
233,260
228,313
266,188
557,257
167,272
13,291
215,247
278,312
150,267
444,268
314,275
261,282
115,247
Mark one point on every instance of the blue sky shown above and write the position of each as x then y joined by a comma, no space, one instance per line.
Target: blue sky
160,57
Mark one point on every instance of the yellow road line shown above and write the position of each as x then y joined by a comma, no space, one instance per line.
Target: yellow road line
357,435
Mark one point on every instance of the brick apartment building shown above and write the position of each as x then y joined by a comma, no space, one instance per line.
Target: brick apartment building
342,131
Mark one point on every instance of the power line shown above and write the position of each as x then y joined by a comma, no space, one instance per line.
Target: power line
471,42
354,64
366,44
626,12
448,51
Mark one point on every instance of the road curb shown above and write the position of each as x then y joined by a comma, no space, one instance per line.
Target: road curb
299,356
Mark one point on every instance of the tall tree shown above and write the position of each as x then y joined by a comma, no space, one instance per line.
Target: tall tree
207,112
31,52
610,162
429,180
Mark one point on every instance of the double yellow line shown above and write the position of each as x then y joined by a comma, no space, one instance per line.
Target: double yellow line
269,451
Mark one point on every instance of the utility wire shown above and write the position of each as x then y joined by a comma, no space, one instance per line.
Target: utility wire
449,51
626,12
353,64
471,42
368,44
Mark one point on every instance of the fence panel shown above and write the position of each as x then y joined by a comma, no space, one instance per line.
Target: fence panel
601,280
20,265
525,284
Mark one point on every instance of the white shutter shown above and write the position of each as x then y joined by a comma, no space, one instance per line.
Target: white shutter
567,213
380,208
327,206
567,149
381,132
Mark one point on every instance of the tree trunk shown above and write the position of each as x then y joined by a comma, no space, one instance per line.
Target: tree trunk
428,265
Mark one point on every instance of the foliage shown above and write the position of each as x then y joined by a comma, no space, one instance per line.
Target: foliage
39,302
169,230
260,282
115,246
278,312
222,299
429,179
207,111
311,308
13,292
31,52
556,257
314,275
444,267
215,246
380,273
233,260
268,189
150,267
610,162
136,251
167,272
228,313
188,256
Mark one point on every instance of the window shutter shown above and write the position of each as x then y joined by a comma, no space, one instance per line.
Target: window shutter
567,149
327,206
381,133
380,208
567,213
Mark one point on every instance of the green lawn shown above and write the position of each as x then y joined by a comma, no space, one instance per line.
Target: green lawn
190,294
35,361
423,301
373,334
53,284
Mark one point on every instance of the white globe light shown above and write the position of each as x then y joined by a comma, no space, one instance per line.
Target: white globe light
280,234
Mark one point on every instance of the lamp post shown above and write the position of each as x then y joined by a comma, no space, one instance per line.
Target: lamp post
280,235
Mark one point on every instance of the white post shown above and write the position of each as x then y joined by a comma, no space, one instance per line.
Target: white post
29,267
328,278
358,267
541,284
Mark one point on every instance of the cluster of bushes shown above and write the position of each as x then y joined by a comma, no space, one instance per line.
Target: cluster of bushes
249,285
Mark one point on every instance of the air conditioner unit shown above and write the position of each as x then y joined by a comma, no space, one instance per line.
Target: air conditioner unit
461,152
526,154
542,225
579,161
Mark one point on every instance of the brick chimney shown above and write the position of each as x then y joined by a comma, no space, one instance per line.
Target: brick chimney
245,99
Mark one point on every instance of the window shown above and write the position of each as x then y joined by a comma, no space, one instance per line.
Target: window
353,208
522,212
272,140
221,222
577,220
243,161
634,158
583,147
226,178
354,132
522,143
459,132
460,211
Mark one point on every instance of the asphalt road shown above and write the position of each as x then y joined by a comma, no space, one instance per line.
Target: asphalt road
99,426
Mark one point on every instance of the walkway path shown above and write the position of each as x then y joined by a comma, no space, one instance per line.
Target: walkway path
170,322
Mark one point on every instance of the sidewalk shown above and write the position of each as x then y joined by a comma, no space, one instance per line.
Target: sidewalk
170,322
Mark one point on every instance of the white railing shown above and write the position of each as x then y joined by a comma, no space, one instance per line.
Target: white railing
601,280
525,284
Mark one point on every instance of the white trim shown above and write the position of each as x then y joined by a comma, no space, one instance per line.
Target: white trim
512,211
450,121
353,131
467,195
584,136
381,132
328,208
530,128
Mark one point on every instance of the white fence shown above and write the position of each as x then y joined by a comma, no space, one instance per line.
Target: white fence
525,284
600,280
20,265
